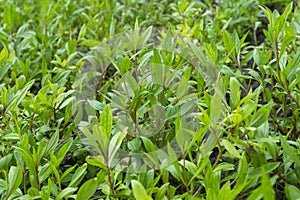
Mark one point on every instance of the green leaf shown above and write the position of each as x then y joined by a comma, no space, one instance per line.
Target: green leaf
106,120
64,193
68,171
89,43
71,46
97,161
131,83
228,43
234,92
211,181
290,151
27,158
260,117
125,65
115,144
210,51
162,191
190,166
101,140
267,186
42,147
20,95
231,149
91,138
3,185
248,108
63,151
82,32
291,68
96,104
158,71
87,189
78,175
5,161
211,194
14,179
3,54
183,86
256,56
256,194
216,107
44,172
291,192
225,192
283,18
67,102
139,191
268,168
33,192
10,16
52,142
134,145
4,70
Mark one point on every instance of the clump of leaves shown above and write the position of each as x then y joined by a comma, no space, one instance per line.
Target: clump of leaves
229,122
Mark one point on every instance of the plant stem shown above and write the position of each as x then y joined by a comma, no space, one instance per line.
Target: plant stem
185,174
24,178
111,183
37,181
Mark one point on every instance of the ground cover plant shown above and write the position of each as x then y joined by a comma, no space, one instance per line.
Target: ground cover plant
154,99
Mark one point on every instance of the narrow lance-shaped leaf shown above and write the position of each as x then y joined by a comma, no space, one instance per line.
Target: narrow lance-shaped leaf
106,120
115,144
78,175
20,95
87,190
231,149
14,178
139,191
290,151
260,117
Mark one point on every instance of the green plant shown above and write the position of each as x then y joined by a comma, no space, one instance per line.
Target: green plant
149,100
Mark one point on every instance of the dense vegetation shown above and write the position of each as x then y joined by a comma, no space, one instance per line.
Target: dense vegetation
145,99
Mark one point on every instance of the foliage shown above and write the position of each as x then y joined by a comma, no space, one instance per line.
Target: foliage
233,115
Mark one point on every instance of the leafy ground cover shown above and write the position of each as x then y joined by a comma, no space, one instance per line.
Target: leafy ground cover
149,99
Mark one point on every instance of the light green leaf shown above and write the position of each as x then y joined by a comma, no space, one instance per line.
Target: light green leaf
87,190
292,192
96,104
106,120
230,148
139,191
5,161
63,151
97,161
228,42
125,65
260,117
66,192
78,175
14,179
20,95
3,185
27,158
102,141
290,151
67,102
234,92
248,108
216,108
115,144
